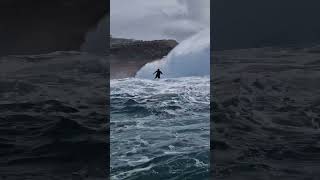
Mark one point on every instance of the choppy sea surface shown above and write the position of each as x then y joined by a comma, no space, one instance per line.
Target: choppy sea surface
160,129
53,116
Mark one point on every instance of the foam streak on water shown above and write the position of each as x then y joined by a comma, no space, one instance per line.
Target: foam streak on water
160,128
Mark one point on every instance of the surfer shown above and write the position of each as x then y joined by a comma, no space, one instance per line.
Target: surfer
158,74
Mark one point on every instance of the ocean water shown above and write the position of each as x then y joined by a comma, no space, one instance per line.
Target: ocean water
52,116
160,129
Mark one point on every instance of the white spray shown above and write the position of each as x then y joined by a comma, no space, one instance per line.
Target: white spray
190,58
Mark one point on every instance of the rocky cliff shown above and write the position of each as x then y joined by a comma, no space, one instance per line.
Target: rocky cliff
128,56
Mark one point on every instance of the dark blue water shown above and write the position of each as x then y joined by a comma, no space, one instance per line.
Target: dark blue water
160,128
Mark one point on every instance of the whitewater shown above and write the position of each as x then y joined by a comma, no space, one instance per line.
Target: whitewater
160,129
190,58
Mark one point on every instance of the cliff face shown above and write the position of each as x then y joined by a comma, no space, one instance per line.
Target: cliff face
149,50
127,57
33,27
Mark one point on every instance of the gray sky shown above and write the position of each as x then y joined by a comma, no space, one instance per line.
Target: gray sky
158,19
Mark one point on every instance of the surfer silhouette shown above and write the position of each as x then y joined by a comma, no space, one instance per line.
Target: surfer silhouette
158,72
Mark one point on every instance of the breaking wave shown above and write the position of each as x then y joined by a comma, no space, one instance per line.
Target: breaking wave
190,58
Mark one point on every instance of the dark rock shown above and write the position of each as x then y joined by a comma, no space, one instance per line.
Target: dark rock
128,56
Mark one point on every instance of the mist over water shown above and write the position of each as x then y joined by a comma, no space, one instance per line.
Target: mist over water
190,58
95,41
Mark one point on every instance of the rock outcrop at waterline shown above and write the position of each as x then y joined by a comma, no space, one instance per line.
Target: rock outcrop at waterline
128,56
35,27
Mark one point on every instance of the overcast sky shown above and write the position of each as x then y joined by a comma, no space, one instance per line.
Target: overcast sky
158,19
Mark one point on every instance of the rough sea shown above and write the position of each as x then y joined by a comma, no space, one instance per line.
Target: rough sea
160,128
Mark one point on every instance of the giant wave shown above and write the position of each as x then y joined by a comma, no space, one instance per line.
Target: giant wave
190,58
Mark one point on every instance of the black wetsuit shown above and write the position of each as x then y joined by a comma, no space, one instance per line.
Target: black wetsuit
158,72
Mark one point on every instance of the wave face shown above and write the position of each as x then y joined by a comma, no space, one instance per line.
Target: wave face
190,58
160,129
